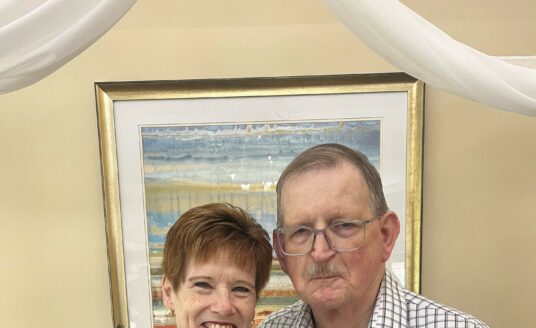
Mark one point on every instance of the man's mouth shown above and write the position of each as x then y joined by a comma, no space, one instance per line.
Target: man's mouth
325,277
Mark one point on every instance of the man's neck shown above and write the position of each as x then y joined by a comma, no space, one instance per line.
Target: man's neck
339,319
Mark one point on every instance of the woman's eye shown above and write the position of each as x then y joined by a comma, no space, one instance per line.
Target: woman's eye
202,284
241,289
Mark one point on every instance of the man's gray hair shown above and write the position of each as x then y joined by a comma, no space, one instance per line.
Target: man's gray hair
329,156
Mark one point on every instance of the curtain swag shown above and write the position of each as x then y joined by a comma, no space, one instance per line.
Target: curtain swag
429,54
39,36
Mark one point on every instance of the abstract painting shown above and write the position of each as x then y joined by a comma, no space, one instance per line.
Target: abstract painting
187,166
168,146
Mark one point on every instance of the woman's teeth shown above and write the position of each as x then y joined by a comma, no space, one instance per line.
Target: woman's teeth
214,325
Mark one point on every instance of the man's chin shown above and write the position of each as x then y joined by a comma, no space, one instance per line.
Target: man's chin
325,292
326,300
325,283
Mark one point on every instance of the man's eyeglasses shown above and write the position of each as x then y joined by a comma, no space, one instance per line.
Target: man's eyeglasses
342,236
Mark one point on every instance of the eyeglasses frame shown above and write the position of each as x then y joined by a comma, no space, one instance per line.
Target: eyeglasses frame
279,231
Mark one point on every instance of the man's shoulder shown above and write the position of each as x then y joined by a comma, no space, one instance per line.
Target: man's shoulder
396,304
424,312
294,315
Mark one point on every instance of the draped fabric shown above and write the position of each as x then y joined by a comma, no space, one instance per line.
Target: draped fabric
38,36
414,45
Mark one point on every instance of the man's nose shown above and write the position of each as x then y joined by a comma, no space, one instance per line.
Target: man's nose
321,251
223,303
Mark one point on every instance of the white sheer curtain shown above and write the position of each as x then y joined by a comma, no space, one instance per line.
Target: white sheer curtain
417,47
38,36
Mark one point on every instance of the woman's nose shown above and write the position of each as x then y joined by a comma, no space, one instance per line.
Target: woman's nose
223,303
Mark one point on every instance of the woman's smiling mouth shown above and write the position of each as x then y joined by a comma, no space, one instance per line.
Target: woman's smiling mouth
217,325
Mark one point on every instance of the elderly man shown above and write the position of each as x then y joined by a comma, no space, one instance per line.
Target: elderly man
335,233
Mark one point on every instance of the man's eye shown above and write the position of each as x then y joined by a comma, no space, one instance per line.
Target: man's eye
347,229
300,231
202,284
346,225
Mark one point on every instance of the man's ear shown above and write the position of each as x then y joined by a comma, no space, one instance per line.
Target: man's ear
390,228
167,292
280,256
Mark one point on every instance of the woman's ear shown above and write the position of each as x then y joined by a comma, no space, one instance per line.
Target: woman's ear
390,228
167,292
280,256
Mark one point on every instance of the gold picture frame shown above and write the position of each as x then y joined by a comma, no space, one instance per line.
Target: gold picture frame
390,102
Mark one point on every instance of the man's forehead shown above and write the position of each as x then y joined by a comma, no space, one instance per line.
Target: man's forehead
341,167
352,177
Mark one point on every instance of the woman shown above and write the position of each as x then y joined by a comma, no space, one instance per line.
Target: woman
216,261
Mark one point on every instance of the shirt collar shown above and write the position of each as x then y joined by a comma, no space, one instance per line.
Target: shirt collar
390,308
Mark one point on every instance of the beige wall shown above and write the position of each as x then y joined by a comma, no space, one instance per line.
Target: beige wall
479,221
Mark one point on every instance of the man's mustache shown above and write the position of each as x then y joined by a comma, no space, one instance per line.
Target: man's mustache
322,270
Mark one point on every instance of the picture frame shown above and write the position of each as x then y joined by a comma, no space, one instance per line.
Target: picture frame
381,112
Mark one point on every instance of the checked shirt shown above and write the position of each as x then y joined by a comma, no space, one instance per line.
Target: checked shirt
395,308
